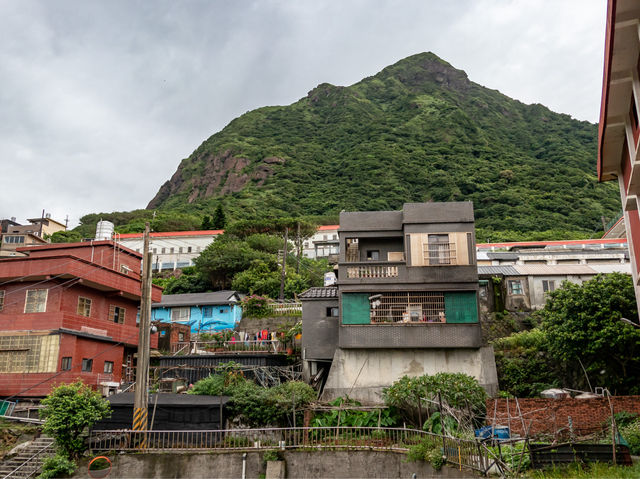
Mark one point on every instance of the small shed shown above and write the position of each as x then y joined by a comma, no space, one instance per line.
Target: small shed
169,412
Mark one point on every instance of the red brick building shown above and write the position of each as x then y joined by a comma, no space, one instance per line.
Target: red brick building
68,312
619,128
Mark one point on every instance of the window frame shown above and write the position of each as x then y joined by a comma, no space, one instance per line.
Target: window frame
109,370
41,305
329,312
520,290
207,311
84,309
180,318
87,365
113,309
548,285
66,363
2,295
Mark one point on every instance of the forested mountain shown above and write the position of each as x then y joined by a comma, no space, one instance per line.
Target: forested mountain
419,130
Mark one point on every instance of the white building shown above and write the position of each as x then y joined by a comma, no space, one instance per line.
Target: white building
173,249
323,244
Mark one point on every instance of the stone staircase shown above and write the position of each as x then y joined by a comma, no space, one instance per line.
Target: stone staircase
28,461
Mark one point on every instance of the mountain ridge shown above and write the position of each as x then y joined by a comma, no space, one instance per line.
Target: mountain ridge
418,130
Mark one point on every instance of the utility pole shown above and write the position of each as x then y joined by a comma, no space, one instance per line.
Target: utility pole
284,262
141,397
299,250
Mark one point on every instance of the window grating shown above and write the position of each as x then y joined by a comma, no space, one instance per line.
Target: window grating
29,354
438,250
409,307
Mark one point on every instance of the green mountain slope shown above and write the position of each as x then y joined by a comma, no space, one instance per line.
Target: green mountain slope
417,131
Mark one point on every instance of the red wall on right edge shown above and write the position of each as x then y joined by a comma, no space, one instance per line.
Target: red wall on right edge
548,416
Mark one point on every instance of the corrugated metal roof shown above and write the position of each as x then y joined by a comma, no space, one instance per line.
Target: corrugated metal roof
554,269
319,293
612,268
197,299
506,270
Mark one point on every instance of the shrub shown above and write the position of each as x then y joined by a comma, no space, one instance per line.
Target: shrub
255,306
631,433
68,411
271,455
57,466
428,451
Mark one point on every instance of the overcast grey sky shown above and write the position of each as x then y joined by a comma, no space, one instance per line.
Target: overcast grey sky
100,100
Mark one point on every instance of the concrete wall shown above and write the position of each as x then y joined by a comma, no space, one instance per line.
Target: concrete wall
363,373
411,335
319,332
337,464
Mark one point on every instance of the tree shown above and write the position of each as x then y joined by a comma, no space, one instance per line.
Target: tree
582,323
206,223
219,218
68,411
68,236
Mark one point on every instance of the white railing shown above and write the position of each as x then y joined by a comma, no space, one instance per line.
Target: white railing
286,308
372,271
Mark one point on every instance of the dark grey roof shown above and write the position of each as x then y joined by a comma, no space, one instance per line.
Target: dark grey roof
320,293
502,255
197,299
167,399
506,270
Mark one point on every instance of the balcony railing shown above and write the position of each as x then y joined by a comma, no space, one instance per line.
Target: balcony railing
372,271
204,347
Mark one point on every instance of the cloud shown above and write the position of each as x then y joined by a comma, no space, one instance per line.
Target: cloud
101,100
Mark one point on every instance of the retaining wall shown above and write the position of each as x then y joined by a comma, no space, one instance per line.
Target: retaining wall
335,464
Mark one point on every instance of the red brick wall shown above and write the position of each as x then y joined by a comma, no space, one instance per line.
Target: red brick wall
551,416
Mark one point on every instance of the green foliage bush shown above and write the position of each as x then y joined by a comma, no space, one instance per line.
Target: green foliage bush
631,433
57,466
69,410
458,390
429,451
255,306
354,418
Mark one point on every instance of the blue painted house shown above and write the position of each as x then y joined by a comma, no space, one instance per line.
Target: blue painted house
204,312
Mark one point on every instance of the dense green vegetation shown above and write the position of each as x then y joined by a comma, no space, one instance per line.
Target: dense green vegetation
419,130
580,327
258,406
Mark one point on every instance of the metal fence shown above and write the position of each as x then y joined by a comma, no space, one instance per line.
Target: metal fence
286,308
266,438
266,346
465,453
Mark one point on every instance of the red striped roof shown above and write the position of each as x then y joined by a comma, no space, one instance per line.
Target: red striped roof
171,234
553,243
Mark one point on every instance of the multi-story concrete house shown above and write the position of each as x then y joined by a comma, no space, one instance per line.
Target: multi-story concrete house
68,312
406,302
13,235
171,250
323,244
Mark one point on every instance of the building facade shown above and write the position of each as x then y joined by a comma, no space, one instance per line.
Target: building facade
13,235
619,126
406,302
68,312
323,244
171,250
203,312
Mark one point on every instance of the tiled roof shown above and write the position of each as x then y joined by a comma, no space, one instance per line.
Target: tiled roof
319,293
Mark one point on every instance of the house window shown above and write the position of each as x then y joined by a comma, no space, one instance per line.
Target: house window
207,311
180,336
438,250
332,312
155,250
163,333
515,286
180,249
84,306
171,250
189,249
373,255
14,239
36,301
66,364
116,314
87,365
163,250
1,300
180,314
108,367
29,354
548,285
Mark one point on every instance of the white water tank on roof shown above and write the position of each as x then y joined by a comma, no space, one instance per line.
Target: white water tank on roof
104,230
